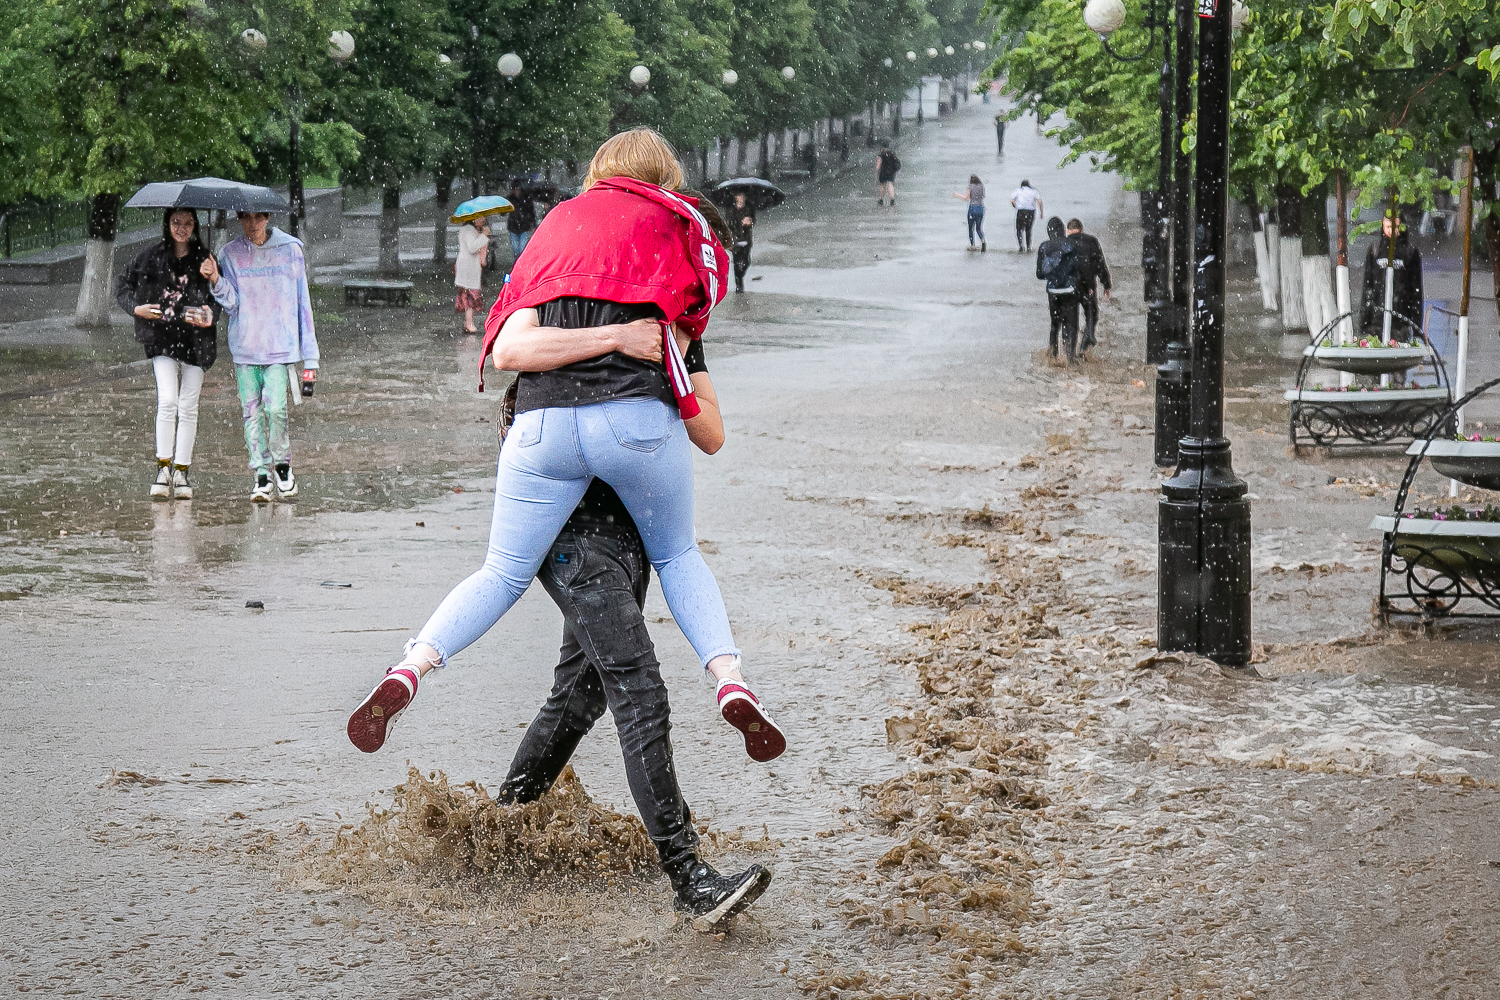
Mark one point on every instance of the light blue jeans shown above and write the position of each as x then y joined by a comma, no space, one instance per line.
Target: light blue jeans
638,446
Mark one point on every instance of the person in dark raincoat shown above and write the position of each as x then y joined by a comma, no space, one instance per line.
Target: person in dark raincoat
1408,291
740,218
175,321
1057,265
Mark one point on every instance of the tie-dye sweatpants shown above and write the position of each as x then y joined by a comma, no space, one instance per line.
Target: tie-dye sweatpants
263,391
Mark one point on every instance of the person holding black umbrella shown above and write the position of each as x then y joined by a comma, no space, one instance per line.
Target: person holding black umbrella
175,321
739,215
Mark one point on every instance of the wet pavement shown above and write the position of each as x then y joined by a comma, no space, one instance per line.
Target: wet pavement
981,798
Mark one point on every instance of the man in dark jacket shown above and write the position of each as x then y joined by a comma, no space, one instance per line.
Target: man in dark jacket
521,222
1407,301
1057,264
1091,267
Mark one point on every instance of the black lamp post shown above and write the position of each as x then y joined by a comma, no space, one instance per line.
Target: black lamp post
1203,527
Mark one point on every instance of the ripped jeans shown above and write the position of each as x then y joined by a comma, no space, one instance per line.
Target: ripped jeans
638,446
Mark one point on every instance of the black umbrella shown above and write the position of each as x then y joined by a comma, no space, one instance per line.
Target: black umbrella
209,193
758,194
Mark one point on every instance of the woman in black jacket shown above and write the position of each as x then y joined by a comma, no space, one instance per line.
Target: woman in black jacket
1057,264
175,320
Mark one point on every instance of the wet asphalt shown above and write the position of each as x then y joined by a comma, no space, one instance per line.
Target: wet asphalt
173,750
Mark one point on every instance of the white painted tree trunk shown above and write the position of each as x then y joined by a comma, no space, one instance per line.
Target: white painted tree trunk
1293,312
1263,273
94,299
1317,293
1273,259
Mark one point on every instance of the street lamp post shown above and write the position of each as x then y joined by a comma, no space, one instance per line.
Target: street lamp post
1203,527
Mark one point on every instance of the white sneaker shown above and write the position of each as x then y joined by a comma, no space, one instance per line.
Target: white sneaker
262,491
181,488
162,488
286,485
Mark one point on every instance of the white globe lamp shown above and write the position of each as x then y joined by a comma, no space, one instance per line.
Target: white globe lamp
340,46
932,53
911,57
443,59
947,50
509,65
887,62
1104,17
788,74
730,78
980,46
1239,14
640,76
253,39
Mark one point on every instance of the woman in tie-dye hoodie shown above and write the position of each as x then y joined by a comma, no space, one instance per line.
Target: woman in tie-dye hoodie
261,281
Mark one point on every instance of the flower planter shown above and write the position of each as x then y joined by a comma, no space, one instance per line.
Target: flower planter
1476,463
1368,360
1468,549
1366,400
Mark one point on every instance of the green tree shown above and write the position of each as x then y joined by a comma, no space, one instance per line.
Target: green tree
140,90
389,93
685,45
25,85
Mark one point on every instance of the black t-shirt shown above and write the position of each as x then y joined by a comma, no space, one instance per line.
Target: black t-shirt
609,376
601,509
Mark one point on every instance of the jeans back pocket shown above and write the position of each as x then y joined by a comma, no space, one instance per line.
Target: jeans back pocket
527,429
638,424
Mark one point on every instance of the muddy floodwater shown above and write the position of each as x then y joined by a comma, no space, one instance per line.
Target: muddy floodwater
939,556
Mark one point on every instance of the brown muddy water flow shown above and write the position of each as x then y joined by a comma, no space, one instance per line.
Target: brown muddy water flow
939,555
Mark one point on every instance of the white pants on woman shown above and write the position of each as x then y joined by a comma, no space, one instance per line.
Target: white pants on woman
177,388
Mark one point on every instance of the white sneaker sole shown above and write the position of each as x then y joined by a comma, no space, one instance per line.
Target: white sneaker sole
747,893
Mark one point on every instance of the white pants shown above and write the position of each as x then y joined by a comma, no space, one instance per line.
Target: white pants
177,388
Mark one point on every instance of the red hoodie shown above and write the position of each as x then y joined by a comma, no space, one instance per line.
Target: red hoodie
623,241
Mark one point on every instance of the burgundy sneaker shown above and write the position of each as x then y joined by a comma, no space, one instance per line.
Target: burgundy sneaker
741,709
372,720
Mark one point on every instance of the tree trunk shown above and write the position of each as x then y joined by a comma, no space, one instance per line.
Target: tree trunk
1317,279
1289,210
765,156
1486,167
94,298
1273,257
390,230
444,187
1263,272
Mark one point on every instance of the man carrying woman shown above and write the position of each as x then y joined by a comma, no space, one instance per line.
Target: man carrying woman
597,575
596,316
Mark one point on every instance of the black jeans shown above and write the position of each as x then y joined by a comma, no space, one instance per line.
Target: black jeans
1064,312
1089,299
598,580
741,254
1024,219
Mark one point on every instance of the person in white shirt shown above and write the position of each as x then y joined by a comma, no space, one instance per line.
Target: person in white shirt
473,247
1027,201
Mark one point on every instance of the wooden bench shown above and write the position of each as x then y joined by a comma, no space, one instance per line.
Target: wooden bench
376,292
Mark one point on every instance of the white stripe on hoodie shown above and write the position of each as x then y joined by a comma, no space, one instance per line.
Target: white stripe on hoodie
263,290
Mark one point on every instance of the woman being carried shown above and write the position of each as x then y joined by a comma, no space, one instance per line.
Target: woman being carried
613,286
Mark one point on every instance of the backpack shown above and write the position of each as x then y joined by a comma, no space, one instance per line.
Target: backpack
1057,263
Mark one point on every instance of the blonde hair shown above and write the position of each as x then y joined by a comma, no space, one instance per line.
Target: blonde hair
640,153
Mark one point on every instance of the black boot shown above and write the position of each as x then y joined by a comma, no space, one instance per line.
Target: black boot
711,899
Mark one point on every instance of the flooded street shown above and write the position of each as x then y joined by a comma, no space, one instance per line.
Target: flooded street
939,557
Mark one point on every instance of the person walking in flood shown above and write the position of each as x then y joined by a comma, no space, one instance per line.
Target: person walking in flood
261,281
468,270
615,285
176,321
1406,299
740,217
1091,268
1057,265
887,165
597,574
975,197
1027,201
